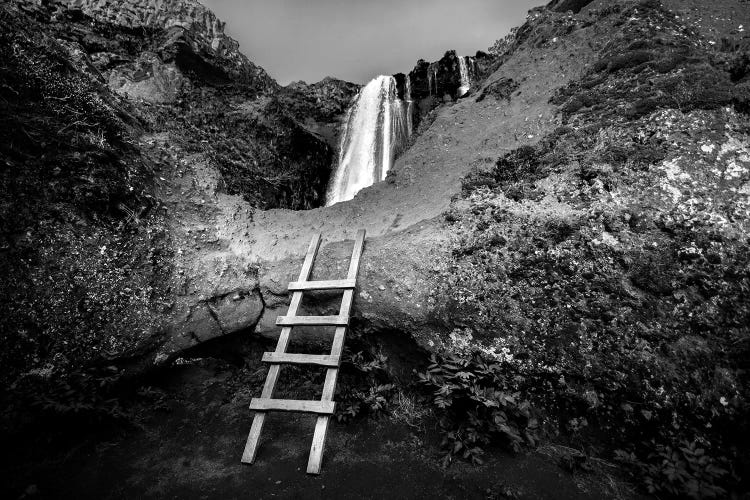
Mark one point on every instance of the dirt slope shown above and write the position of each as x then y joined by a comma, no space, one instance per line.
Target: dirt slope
402,215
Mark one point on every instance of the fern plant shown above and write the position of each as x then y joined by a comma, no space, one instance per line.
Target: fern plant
476,406
368,392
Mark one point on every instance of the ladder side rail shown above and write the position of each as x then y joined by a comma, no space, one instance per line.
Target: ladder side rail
321,424
253,438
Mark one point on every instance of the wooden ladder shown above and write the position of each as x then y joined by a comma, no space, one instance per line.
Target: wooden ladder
325,407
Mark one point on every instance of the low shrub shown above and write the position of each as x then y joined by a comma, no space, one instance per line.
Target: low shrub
476,405
500,89
67,406
684,471
367,389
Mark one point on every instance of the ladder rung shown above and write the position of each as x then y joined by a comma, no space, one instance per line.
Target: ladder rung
321,407
312,321
296,286
324,408
302,359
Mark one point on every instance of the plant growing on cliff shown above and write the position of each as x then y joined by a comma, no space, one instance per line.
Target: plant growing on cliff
368,389
502,46
476,406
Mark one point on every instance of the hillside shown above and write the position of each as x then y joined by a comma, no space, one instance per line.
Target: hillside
561,254
86,196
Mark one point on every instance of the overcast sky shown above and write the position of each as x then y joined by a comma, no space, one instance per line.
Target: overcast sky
356,40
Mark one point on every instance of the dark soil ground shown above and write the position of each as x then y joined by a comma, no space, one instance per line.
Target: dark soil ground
191,429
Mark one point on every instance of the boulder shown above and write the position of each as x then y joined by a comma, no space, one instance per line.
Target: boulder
147,79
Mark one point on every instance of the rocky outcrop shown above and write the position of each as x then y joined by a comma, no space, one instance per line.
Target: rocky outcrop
147,79
320,106
163,14
574,6
325,100
274,146
186,22
150,50
263,152
80,272
438,82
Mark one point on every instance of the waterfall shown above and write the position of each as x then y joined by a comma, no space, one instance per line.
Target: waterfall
465,81
375,131
409,106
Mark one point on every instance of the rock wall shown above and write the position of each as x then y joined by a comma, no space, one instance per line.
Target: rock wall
274,146
320,106
189,15
179,32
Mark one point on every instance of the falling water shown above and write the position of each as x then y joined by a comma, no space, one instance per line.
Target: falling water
374,133
409,106
465,81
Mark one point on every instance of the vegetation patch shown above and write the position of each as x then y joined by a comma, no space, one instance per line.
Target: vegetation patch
367,389
476,405
589,268
500,90
654,63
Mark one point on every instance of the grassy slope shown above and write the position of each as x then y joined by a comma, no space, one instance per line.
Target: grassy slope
607,266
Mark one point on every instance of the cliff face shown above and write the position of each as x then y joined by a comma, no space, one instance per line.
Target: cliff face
97,97
183,22
187,14
81,244
321,106
174,62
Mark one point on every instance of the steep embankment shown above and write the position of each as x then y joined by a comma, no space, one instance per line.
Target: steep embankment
81,273
607,267
91,200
